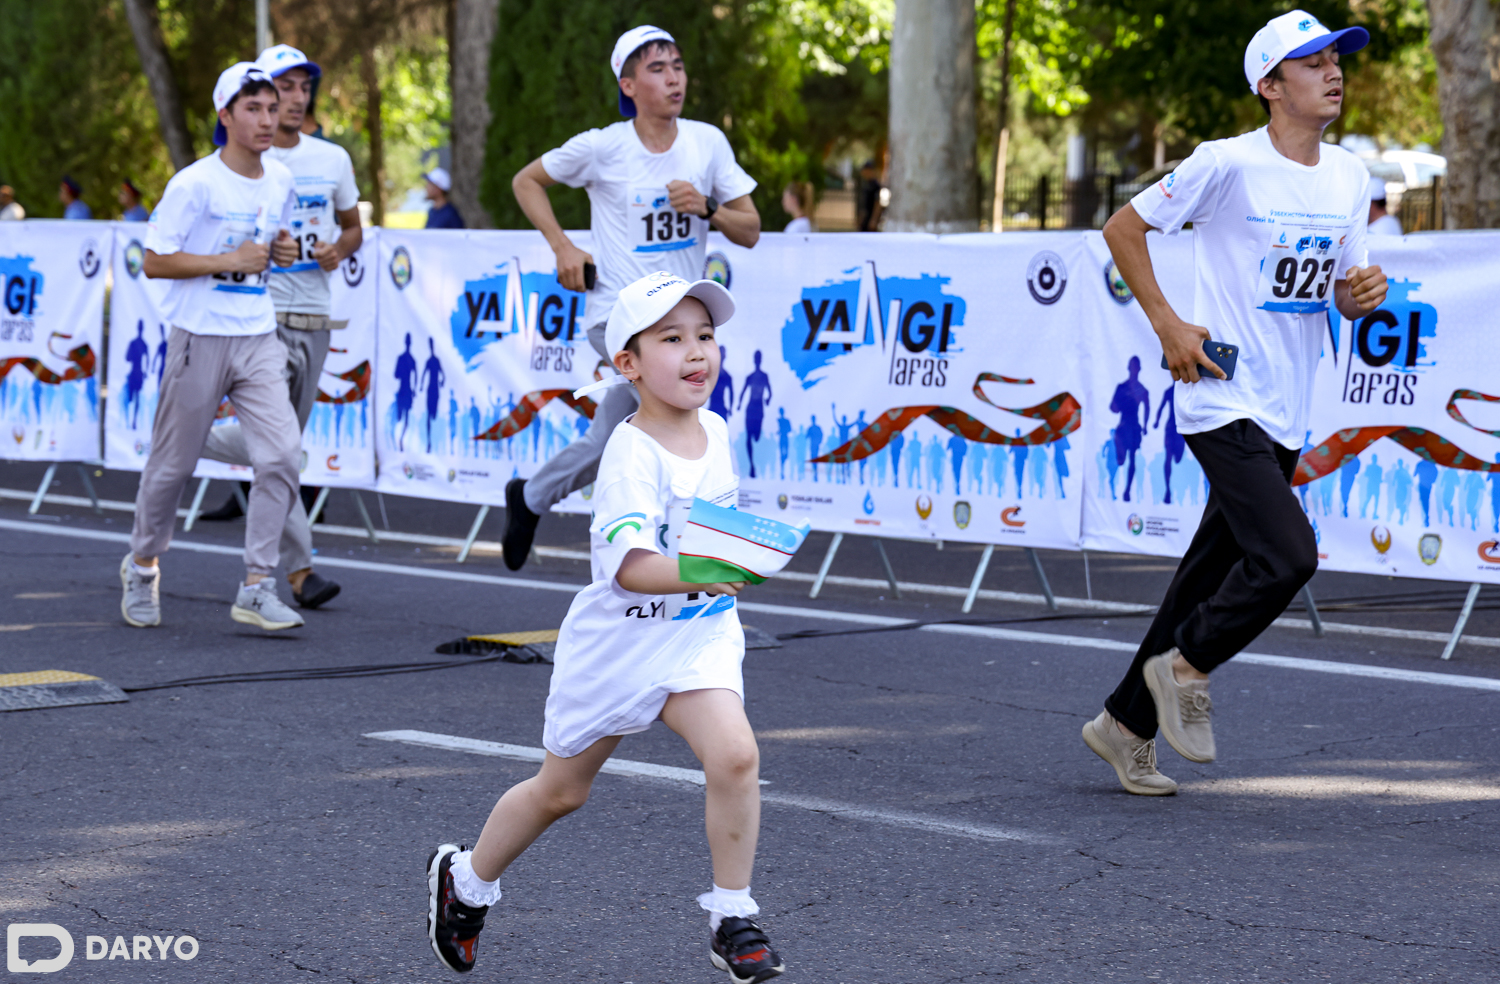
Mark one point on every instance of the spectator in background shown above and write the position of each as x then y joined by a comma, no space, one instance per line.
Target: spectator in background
797,200
10,209
130,198
73,205
868,201
443,214
1382,223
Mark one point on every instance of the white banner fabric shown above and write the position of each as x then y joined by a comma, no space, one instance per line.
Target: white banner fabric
51,338
907,385
480,350
337,446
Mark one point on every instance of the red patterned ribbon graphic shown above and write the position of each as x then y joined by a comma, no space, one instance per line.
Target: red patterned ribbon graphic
1060,416
82,358
531,404
1342,446
359,376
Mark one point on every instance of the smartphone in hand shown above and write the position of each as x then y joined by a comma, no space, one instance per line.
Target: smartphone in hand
1221,354
590,275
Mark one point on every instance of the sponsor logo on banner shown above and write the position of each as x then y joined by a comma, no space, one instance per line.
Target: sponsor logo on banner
924,506
910,322
716,268
1009,515
1389,341
354,271
962,513
1136,524
452,474
332,464
869,504
89,260
1489,551
509,302
1429,547
1118,288
135,258
1046,277
1380,539
400,268
781,501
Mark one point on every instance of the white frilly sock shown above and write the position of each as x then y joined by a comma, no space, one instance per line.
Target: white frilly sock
724,902
468,886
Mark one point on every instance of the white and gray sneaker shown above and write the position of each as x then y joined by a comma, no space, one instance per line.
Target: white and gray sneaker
1183,710
1134,759
141,604
257,604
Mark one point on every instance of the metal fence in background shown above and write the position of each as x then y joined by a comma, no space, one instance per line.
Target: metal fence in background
1052,202
1421,209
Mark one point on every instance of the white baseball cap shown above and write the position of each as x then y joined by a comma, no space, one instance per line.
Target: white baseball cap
441,178
279,59
625,47
641,304
1377,189
1292,35
231,81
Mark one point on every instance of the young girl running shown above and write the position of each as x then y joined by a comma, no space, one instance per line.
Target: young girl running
638,643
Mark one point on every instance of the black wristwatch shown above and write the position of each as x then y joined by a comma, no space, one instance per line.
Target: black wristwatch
712,205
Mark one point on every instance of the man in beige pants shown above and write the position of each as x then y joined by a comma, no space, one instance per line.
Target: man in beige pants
209,235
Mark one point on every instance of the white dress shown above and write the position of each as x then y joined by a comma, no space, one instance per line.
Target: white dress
621,654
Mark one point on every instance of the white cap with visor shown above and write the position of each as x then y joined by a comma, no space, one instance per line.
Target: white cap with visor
625,47
645,302
231,81
1295,34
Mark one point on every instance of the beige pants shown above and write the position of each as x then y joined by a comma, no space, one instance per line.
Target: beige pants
306,351
201,370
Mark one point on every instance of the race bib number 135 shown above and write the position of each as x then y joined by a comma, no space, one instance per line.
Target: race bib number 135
656,227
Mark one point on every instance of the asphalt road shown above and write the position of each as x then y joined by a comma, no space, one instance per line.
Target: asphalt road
932,815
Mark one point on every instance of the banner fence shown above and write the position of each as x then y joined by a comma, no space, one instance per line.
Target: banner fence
991,389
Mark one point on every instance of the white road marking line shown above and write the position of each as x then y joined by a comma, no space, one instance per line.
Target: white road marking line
624,767
987,632
913,587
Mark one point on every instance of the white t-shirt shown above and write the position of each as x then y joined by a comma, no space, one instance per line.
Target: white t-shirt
620,654
800,224
208,209
1386,225
1270,238
325,184
634,227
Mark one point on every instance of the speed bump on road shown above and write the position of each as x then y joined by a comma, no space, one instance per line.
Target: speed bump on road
55,688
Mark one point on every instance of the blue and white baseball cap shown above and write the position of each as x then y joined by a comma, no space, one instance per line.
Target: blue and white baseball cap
1292,35
625,47
282,58
231,81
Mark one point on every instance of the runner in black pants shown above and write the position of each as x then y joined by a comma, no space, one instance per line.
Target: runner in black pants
1278,235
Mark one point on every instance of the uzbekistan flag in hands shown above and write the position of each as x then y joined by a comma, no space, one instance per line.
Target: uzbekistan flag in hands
722,544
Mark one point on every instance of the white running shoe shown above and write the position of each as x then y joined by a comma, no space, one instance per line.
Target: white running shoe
141,604
257,604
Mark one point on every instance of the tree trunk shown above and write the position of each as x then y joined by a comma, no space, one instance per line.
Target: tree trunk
933,180
474,24
369,75
1002,142
152,52
1465,39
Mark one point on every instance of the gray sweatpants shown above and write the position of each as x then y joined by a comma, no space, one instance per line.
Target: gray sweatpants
577,464
201,370
306,352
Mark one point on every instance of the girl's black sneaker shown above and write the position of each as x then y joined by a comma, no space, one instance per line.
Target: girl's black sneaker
741,948
452,927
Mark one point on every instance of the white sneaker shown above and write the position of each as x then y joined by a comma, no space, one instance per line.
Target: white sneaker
141,604
257,604
1134,759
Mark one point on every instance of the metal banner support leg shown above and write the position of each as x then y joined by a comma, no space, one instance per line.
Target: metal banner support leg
239,496
41,490
984,565
833,548
88,486
1041,575
192,516
890,574
318,504
364,515
1463,619
1312,611
463,554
